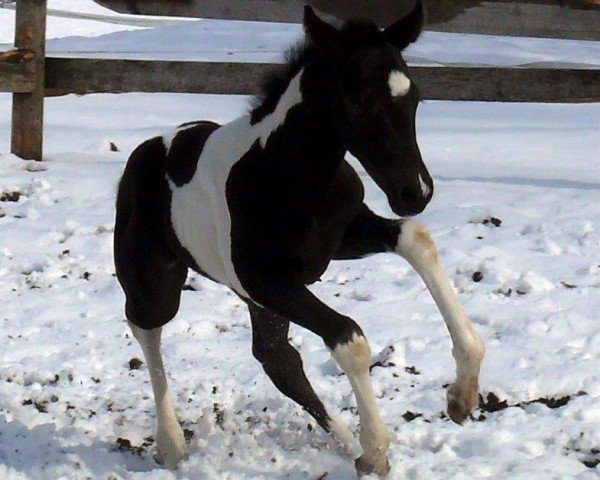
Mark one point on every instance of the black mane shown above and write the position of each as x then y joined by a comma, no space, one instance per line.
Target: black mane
276,82
354,33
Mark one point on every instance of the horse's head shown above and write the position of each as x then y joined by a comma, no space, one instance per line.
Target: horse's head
378,103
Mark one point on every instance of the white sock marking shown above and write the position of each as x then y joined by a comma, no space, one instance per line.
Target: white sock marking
342,436
416,246
170,441
354,359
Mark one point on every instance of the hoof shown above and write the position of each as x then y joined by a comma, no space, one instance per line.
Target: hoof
170,450
461,401
343,440
380,466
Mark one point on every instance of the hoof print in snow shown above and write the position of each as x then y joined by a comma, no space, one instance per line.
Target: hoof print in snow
496,222
591,462
410,416
477,277
188,434
10,196
568,286
554,402
493,221
41,406
124,445
219,416
135,364
492,403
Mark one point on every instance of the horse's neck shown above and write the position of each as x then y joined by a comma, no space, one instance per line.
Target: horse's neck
301,134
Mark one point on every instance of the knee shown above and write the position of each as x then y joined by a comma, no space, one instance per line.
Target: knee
415,242
354,357
149,316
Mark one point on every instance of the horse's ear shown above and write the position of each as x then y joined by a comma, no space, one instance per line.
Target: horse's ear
407,30
323,35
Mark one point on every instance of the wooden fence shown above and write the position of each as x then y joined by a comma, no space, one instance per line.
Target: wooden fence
30,75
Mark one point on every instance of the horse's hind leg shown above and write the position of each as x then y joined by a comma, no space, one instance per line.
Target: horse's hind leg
283,365
170,441
152,282
152,288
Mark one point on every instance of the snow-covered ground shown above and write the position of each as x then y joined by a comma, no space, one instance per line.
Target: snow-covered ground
71,407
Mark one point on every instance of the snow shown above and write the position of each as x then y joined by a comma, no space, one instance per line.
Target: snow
67,393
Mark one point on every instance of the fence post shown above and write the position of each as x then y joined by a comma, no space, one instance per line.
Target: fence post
28,108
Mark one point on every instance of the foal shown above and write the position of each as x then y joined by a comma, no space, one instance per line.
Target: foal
264,203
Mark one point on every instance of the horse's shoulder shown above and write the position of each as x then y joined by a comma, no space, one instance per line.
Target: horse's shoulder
347,185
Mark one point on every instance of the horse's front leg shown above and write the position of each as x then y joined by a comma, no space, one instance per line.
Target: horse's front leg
417,247
370,234
349,348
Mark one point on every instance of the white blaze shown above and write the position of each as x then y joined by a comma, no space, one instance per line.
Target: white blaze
399,83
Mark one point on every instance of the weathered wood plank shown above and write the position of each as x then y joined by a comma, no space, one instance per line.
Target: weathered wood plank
84,76
539,85
17,71
81,76
289,11
28,108
575,19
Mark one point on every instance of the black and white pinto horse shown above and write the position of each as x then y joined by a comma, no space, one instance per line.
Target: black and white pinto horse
264,203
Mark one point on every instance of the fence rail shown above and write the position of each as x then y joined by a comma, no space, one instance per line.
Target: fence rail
30,76
17,71
84,76
574,19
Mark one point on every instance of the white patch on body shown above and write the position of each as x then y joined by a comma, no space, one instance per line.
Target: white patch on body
399,83
424,187
199,210
291,98
169,138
